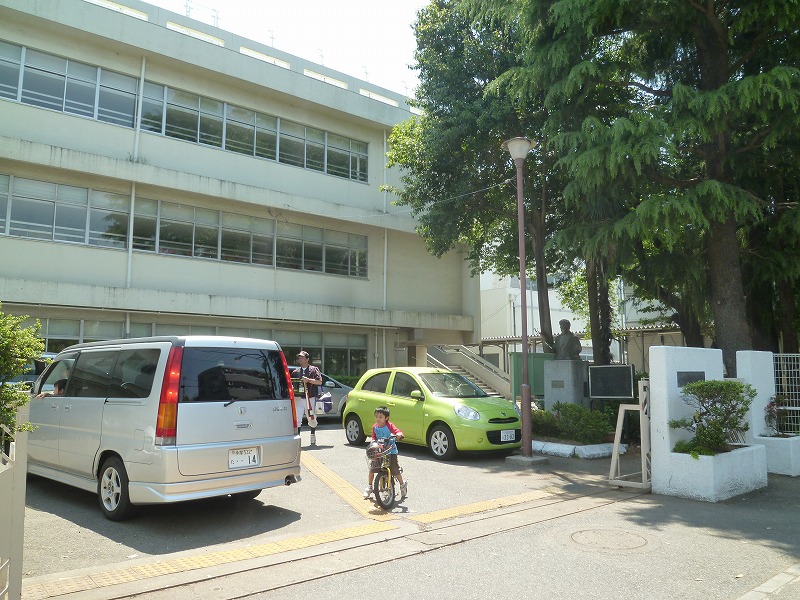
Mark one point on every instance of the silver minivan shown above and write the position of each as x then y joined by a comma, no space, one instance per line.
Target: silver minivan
166,419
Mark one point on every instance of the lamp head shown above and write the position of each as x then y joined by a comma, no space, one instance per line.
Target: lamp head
518,147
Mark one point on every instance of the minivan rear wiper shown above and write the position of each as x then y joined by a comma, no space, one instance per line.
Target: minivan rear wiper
229,402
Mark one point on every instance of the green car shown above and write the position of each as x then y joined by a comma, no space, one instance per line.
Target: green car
434,407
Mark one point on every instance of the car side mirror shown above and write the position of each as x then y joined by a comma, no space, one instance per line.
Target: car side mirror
417,395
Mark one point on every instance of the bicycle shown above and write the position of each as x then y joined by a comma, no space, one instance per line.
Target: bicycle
383,484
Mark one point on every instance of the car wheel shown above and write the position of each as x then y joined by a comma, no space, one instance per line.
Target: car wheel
354,430
112,490
442,443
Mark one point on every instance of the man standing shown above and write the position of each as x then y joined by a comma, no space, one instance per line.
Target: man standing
312,379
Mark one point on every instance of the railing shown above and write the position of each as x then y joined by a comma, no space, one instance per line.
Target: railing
461,356
787,391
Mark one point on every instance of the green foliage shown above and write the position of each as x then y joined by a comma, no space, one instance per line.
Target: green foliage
675,124
544,423
571,422
692,447
719,418
18,347
349,380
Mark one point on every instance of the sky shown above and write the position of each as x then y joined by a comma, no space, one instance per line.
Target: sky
368,39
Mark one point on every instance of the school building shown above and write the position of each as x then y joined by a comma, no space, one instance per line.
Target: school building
159,175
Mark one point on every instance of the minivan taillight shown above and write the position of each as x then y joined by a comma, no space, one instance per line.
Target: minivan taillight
167,423
291,389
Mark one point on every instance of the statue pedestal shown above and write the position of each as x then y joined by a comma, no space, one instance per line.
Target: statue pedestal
564,382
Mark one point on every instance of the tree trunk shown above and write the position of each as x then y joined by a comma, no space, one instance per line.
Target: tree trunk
594,310
787,305
605,315
731,331
541,291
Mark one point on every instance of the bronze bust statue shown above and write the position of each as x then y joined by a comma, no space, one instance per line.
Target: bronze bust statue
567,345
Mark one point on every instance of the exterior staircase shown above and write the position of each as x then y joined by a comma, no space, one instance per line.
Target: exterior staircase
481,384
462,360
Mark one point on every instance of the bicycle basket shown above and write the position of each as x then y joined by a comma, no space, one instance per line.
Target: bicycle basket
375,454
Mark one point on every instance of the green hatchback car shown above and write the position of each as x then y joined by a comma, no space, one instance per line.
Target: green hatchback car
437,408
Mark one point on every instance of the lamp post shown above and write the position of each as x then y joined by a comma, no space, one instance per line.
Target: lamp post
519,147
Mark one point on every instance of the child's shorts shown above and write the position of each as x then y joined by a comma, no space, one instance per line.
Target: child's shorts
393,465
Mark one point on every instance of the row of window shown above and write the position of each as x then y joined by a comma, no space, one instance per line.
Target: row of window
65,85
334,353
55,212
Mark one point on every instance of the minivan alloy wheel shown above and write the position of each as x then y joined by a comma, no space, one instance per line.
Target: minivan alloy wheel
112,490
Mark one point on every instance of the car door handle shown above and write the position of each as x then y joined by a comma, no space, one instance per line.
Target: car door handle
67,407
54,406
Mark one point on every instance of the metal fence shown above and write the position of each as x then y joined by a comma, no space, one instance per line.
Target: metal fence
787,392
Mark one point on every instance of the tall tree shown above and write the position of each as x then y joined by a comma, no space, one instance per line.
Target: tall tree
457,179
701,84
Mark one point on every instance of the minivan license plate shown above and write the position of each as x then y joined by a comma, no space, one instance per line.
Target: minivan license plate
243,457
507,435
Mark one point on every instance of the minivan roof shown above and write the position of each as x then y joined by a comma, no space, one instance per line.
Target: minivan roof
183,340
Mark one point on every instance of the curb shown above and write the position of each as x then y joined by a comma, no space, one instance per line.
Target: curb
571,450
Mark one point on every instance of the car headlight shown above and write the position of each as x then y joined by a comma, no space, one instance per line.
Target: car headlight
517,409
465,412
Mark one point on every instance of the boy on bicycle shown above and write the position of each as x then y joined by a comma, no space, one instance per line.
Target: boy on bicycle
382,429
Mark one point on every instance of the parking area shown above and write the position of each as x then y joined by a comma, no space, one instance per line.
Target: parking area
67,522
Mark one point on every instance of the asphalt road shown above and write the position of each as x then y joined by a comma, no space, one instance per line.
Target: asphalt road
64,529
573,537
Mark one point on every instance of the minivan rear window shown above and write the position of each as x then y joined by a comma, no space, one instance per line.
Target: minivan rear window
230,374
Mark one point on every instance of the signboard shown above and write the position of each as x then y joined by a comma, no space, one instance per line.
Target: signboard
611,381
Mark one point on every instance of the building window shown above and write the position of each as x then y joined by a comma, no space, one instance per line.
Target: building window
10,56
50,211
153,107
176,229
108,220
77,88
183,112
145,224
116,101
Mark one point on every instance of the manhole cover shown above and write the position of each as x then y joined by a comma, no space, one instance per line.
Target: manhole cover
608,539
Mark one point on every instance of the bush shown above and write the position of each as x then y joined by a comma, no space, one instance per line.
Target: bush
544,423
18,347
578,423
718,421
571,422
348,380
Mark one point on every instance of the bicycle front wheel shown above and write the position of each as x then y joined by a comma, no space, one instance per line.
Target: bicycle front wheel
383,486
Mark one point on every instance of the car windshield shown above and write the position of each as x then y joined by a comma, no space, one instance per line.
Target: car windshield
451,385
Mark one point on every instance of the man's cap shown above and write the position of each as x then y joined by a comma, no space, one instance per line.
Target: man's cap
304,354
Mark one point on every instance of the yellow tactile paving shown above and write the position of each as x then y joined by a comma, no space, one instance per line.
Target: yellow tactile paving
342,488
476,507
190,563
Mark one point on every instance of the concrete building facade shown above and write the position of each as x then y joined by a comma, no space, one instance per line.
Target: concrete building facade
161,176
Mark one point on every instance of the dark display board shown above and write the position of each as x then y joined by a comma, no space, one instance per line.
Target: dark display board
611,381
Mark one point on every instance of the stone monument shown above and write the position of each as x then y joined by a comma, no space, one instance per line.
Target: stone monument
564,376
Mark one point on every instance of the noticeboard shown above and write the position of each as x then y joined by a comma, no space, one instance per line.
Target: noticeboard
611,381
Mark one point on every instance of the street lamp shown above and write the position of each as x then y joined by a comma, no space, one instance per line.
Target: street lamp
519,147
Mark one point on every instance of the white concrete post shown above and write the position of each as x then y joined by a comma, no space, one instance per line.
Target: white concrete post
757,369
666,403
